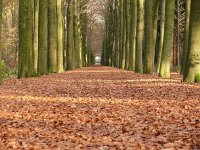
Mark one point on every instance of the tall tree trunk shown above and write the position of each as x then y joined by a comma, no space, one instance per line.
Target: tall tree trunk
43,37
1,7
155,25
76,36
133,11
121,12
124,35
192,70
168,39
80,56
127,17
139,39
178,34
36,13
149,46
162,29
26,66
84,37
65,35
70,37
60,36
116,34
53,34
186,35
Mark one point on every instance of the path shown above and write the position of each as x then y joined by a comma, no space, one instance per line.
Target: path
99,108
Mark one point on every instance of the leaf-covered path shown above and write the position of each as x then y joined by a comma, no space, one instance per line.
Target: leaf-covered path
99,108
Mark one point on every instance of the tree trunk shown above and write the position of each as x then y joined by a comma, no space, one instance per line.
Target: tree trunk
155,26
26,66
76,36
149,46
65,35
121,12
80,56
168,39
124,35
53,34
192,73
36,13
162,29
70,37
127,17
84,37
139,39
178,35
132,49
116,34
43,37
60,36
186,35
1,7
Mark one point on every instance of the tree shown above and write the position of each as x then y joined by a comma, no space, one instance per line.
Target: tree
124,35
77,47
133,26
60,36
26,66
43,38
121,35
35,44
70,37
162,29
168,39
127,30
139,38
116,33
155,26
186,35
192,70
149,45
84,37
1,7
52,34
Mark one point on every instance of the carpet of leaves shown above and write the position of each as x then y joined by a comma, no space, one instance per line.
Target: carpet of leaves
99,108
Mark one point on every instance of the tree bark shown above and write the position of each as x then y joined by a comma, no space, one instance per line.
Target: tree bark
43,38
192,73
186,35
149,46
53,34
140,36
36,13
168,39
162,29
70,37
60,36
133,27
26,66
121,12
1,7
127,42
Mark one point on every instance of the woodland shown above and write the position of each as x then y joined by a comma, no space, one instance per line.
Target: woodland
99,74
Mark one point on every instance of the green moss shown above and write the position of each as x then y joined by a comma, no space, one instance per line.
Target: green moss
4,72
197,78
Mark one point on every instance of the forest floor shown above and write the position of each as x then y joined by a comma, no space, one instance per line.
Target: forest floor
99,108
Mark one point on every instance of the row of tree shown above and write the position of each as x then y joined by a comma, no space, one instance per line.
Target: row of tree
140,36
52,38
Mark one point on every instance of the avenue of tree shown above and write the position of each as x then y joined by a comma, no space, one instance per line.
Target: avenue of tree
51,40
140,36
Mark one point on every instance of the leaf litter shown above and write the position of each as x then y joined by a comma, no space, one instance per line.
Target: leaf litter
99,108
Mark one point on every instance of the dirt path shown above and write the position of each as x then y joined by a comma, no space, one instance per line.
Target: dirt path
99,108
